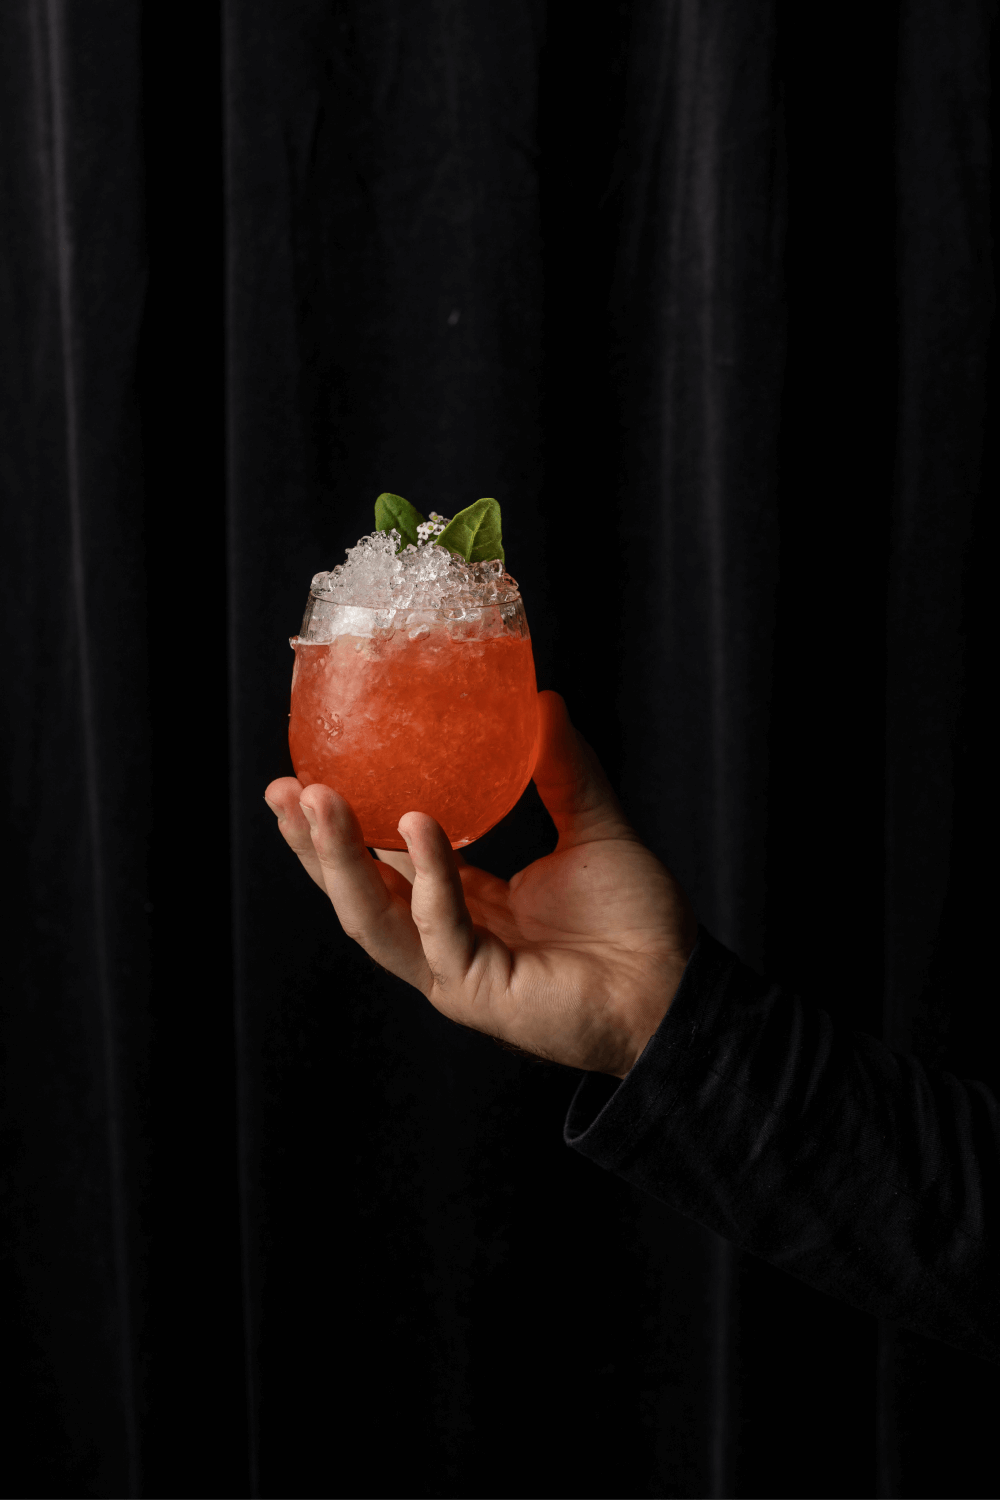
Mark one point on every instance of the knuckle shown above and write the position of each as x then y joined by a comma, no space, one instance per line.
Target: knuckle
302,847
333,858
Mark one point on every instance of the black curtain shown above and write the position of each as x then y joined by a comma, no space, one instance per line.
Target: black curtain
703,293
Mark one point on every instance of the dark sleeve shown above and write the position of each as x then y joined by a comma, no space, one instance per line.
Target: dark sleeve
817,1148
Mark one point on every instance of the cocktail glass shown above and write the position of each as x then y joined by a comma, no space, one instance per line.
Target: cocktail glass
425,710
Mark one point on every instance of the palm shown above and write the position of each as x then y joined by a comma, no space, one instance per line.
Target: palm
587,930
605,893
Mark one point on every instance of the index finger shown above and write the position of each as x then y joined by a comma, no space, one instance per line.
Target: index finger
371,911
282,797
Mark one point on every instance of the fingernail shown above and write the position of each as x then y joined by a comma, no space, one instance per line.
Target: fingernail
309,814
271,806
402,835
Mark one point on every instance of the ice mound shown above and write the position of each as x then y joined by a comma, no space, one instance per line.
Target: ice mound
374,576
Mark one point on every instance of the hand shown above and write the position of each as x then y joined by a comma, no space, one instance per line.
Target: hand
576,959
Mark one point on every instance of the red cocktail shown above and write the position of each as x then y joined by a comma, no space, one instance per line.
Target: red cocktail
410,708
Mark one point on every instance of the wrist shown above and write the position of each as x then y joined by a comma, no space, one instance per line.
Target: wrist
653,1013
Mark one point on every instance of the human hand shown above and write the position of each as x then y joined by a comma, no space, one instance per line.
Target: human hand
576,959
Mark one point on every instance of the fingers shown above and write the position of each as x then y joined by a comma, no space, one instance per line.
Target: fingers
282,797
372,909
425,935
571,783
399,860
437,902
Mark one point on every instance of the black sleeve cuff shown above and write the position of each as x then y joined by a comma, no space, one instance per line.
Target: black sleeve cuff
607,1116
817,1148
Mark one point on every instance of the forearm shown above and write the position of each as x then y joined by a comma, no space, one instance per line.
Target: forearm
816,1148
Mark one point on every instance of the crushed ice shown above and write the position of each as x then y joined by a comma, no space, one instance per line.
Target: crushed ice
375,576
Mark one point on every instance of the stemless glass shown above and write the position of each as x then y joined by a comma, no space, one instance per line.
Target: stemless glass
416,710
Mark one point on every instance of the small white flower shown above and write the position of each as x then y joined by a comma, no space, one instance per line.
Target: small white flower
429,529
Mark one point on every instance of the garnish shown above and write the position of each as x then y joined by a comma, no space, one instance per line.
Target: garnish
474,533
431,529
392,511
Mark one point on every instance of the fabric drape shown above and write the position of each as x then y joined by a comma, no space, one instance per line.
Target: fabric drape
703,293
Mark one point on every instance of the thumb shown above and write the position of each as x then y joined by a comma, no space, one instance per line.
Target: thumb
571,783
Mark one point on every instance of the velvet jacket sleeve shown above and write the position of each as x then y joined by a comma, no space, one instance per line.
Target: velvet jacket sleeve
817,1148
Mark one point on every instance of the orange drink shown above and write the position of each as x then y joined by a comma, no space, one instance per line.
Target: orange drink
405,708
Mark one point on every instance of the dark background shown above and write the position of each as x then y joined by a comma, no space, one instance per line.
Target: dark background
725,353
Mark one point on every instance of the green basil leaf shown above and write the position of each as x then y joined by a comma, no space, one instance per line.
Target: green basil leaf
393,511
475,532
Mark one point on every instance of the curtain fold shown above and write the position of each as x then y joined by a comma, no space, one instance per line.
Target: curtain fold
938,683
704,294
76,756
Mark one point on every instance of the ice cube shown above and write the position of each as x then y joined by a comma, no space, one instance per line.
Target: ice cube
375,576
